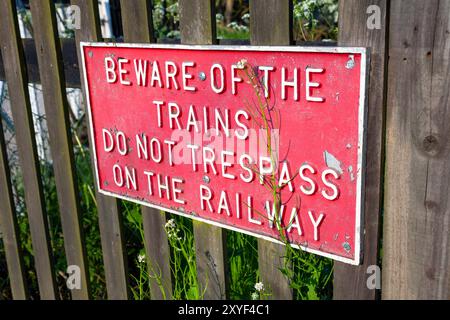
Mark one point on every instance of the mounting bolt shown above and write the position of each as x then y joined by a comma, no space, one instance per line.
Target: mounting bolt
347,246
202,76
90,53
206,179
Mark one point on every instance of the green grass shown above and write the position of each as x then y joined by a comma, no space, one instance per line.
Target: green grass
243,263
229,33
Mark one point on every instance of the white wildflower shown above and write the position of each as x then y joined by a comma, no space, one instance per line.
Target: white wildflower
259,286
170,224
219,17
255,296
174,235
141,258
172,230
232,25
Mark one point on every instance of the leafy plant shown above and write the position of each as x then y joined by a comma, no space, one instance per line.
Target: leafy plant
166,19
243,264
239,29
315,20
309,275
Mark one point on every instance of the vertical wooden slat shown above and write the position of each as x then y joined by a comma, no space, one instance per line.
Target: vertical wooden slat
210,250
114,257
9,228
110,222
197,26
56,110
350,282
15,70
271,24
137,24
137,21
158,253
416,238
197,21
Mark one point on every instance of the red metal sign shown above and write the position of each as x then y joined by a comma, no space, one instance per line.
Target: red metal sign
263,140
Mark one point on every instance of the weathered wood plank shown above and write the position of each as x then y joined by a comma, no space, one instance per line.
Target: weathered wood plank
270,261
197,21
137,21
350,282
137,26
114,257
56,110
158,253
271,24
197,26
9,228
416,243
15,71
212,269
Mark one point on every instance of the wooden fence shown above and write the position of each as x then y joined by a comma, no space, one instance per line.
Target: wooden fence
408,158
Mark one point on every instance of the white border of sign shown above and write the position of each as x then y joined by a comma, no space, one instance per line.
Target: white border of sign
362,120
